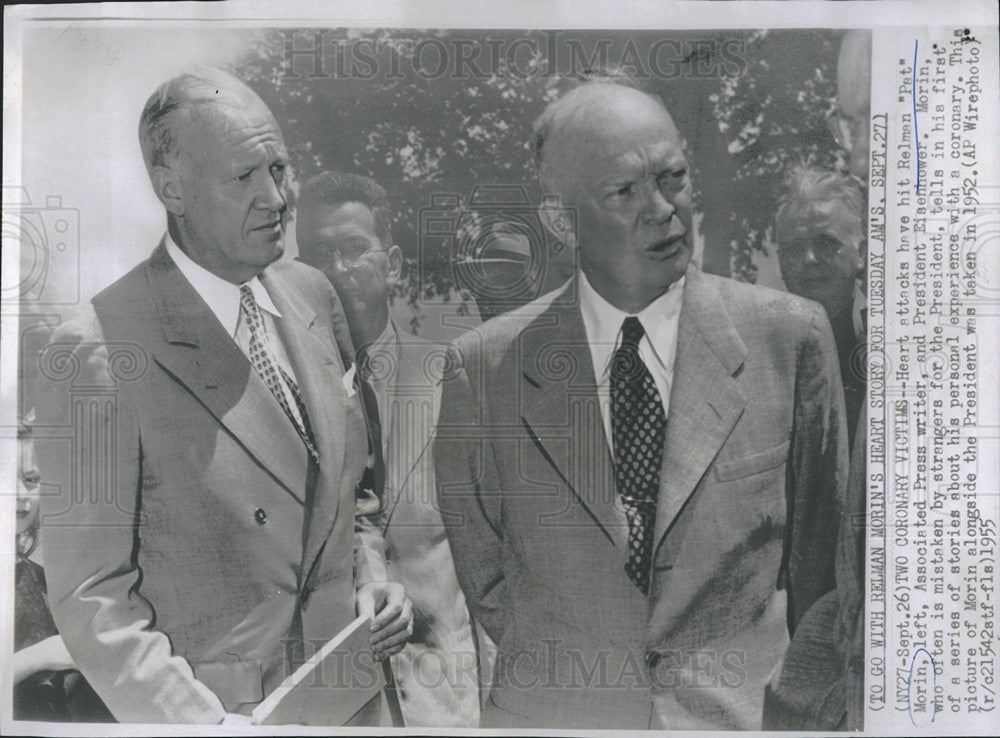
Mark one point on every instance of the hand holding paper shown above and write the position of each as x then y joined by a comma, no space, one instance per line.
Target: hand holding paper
391,612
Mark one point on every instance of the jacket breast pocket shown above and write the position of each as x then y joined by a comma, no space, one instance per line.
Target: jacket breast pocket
729,469
751,490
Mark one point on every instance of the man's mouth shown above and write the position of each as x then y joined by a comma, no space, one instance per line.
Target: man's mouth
667,247
272,225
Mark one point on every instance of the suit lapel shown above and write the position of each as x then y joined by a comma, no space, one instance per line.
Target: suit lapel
560,412
318,372
199,354
705,401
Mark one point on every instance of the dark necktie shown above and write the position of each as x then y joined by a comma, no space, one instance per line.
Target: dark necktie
638,431
373,478
276,379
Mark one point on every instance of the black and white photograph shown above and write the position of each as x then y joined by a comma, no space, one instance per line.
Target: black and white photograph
567,367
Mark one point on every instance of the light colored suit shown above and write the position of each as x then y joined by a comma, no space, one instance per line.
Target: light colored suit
755,459
196,553
436,673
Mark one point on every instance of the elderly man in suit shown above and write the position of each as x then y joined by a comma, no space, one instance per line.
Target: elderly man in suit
640,472
214,535
343,228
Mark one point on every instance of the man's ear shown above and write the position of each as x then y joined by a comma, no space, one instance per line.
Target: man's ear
558,220
861,259
395,256
167,187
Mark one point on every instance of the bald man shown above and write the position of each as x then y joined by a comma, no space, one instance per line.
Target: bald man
640,472
216,534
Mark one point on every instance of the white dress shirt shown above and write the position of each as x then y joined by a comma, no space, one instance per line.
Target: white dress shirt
223,299
657,349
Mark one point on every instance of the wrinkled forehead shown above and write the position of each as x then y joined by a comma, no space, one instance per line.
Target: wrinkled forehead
232,124
814,218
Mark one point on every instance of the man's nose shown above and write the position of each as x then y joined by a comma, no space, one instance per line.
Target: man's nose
271,195
660,209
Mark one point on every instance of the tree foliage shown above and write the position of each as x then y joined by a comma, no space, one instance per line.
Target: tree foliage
423,124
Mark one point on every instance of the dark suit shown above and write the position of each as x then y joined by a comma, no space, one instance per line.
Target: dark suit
195,552
755,459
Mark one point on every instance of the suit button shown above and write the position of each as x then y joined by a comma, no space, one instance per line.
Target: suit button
260,516
652,659
857,664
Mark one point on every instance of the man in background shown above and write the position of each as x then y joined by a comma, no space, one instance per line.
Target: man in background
822,677
343,229
212,539
820,239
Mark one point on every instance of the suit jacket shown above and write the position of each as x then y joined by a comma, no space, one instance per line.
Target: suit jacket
822,677
195,554
755,458
436,673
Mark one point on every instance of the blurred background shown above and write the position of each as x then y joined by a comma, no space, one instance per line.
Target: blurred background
440,118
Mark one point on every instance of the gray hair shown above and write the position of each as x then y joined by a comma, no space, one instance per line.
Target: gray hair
197,85
806,185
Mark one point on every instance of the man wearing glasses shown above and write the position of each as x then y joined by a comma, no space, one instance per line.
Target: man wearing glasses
343,229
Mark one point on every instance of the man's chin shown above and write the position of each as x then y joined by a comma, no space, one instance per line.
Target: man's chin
672,265
353,305
270,250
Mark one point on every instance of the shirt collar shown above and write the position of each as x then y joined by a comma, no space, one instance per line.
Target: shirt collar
603,323
222,297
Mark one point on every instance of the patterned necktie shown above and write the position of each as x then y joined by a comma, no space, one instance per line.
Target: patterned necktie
638,424
282,386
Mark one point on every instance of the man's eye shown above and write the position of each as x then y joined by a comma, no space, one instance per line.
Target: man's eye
828,245
245,177
623,191
277,170
672,179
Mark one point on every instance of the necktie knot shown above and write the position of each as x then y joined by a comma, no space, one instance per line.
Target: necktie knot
248,305
632,331
626,366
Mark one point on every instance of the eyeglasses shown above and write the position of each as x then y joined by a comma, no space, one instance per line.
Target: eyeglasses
355,260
